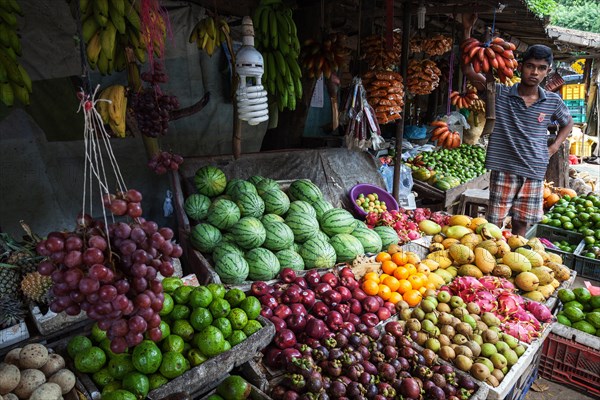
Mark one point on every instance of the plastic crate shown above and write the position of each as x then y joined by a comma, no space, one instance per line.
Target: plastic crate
522,386
575,106
579,118
577,150
569,359
573,91
587,267
556,234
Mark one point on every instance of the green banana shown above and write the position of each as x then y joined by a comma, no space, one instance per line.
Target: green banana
100,18
132,15
102,64
140,54
15,43
3,74
298,87
294,66
107,39
15,7
264,22
281,64
88,28
5,35
134,37
7,95
26,79
12,68
20,92
9,18
274,37
118,19
118,6
84,5
101,7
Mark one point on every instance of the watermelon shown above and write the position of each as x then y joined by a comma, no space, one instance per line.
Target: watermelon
321,206
255,179
337,220
205,237
231,184
317,254
223,214
263,264
304,189
227,237
248,233
250,204
300,206
296,247
271,218
196,206
266,185
279,236
346,247
224,248
360,224
304,226
240,188
387,234
210,181
290,259
321,235
368,238
232,268
276,202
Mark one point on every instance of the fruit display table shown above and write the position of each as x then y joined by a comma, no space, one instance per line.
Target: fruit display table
447,200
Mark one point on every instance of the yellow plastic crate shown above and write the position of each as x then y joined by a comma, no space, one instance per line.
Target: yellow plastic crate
573,92
576,148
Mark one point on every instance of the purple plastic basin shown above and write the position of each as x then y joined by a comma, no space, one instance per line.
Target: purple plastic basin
366,189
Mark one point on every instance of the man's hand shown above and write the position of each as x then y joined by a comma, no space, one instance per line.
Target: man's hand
468,20
552,149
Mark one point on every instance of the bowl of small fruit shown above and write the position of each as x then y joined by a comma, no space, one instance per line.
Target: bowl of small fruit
370,198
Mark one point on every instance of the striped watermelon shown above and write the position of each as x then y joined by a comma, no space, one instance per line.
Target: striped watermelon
210,181
304,226
361,224
368,238
304,189
290,259
387,234
296,247
248,233
227,237
232,268
263,264
321,206
223,197
276,202
279,236
266,185
255,179
303,207
223,214
271,218
231,184
205,237
224,248
317,254
196,206
337,220
241,187
347,247
250,204
322,236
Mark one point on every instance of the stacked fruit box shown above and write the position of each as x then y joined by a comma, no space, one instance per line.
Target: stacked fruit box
553,234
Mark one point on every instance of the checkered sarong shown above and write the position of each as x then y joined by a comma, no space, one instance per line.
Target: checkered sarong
521,197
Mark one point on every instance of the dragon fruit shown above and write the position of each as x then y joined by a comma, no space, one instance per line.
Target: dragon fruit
539,311
522,331
466,284
486,301
525,316
510,303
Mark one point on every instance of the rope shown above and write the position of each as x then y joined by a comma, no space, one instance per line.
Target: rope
82,54
451,74
493,29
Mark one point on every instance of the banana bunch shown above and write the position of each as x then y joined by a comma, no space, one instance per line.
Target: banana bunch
498,55
112,107
477,105
277,40
437,45
327,57
209,33
511,81
444,136
14,80
376,54
463,100
108,27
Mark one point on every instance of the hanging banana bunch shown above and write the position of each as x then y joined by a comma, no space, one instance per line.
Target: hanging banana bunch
112,107
277,40
15,82
209,33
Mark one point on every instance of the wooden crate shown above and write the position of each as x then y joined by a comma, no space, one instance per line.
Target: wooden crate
449,199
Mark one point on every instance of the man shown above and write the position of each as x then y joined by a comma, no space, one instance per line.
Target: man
518,150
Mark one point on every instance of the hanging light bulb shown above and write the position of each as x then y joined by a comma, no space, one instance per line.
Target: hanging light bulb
252,100
421,11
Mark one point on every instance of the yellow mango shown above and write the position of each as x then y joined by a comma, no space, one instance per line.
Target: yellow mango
484,260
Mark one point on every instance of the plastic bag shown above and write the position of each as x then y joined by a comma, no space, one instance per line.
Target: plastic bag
406,179
387,172
456,118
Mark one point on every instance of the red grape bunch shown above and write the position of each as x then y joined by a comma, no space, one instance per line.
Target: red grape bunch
128,203
164,161
115,285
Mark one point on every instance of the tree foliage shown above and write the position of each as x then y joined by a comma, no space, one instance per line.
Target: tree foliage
583,15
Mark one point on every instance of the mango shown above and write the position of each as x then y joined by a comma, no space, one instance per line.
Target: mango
489,245
449,242
461,254
544,274
445,275
534,258
435,247
555,283
489,231
471,240
452,270
475,222
440,257
555,258
457,231
502,271
503,248
516,241
470,270
517,262
527,281
459,220
433,265
484,260
546,290
437,280
437,238
429,227
535,295
535,244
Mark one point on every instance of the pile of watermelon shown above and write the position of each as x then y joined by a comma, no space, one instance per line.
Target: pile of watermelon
252,228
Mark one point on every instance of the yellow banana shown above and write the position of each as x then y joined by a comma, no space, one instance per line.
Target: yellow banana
210,29
102,106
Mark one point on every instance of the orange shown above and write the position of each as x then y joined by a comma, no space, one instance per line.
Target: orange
370,287
412,297
412,258
371,276
383,256
401,273
392,283
389,267
404,286
400,257
411,269
382,277
395,297
384,292
416,281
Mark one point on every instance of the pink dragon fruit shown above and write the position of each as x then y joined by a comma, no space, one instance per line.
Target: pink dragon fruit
386,218
539,311
394,214
523,332
510,303
412,235
525,316
490,282
486,301
507,285
464,283
372,218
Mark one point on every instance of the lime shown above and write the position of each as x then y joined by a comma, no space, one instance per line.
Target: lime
137,384
589,240
77,344
173,364
183,328
146,357
171,283
224,326
165,329
90,360
200,297
111,387
237,337
251,327
156,380
180,311
119,394
195,357
172,343
181,295
102,377
234,297
238,318
120,365
97,334
251,306
219,308
201,318
217,290
234,387
226,346
214,396
210,341
168,305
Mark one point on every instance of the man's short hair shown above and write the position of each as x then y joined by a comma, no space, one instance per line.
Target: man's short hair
538,52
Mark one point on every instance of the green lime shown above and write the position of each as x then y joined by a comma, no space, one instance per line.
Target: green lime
251,306
119,394
120,365
90,360
251,327
165,329
226,346
137,384
183,328
224,326
234,297
589,240
219,308
102,377
234,387
237,337
238,318
180,311
195,357
214,396
97,334
217,290
171,283
77,344
181,295
172,343
200,297
146,357
111,387
173,364
210,341
201,318
156,380
168,305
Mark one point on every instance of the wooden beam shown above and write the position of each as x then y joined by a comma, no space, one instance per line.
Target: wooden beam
238,8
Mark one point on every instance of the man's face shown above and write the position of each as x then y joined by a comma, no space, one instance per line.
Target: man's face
533,71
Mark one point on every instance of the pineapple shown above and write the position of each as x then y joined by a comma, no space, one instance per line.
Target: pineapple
9,280
36,287
25,260
12,311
